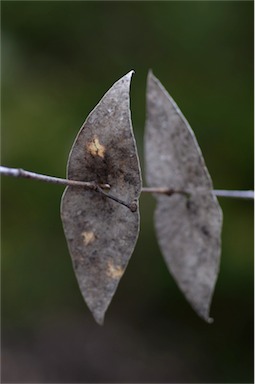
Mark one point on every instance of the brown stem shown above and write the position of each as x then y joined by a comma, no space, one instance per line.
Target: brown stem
91,185
164,191
217,192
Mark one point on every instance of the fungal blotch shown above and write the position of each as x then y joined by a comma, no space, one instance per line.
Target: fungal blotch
114,271
95,148
88,237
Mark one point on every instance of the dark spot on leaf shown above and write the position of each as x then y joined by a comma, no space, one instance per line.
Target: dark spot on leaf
133,206
191,206
205,230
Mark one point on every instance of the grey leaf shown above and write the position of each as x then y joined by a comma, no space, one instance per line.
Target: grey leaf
188,228
101,233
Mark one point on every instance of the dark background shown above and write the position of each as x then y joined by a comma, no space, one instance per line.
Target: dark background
58,59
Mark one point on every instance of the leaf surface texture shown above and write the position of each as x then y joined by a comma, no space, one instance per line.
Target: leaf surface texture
101,233
188,228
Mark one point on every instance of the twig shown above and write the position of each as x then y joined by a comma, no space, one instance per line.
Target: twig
132,206
91,185
235,194
18,172
164,191
217,192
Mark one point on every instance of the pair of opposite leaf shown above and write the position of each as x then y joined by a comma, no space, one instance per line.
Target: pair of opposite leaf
101,234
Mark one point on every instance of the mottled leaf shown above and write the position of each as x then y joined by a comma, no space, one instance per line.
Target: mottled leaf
101,233
188,227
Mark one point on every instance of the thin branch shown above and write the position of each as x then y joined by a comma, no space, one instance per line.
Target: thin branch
91,185
164,191
217,192
18,172
88,185
132,206
235,194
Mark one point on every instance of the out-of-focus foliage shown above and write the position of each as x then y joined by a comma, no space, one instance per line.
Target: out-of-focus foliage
58,59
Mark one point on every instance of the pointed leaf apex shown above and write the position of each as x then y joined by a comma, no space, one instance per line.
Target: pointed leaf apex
129,75
99,318
150,73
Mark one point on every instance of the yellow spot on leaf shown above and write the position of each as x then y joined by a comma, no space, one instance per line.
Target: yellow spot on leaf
114,271
95,148
88,237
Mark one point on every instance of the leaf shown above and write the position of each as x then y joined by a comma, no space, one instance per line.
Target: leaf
188,228
101,233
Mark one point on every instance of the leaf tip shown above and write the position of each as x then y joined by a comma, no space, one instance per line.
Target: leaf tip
203,314
99,317
210,320
150,72
130,73
151,76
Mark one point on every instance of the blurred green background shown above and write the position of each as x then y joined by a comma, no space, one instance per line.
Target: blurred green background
58,59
